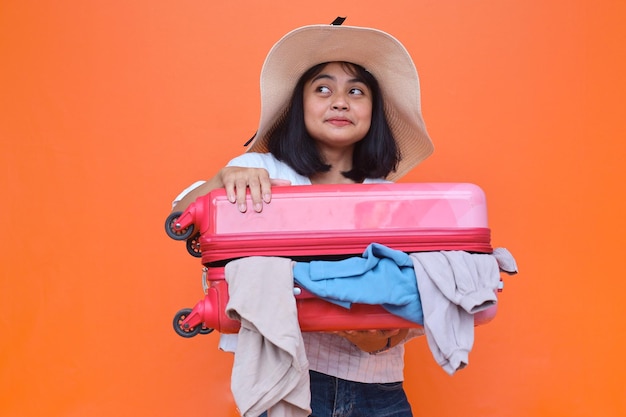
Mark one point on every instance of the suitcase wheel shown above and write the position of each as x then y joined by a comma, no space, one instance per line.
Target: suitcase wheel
184,330
205,330
193,246
170,227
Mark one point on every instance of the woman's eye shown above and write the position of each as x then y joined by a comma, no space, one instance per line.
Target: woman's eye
323,89
356,91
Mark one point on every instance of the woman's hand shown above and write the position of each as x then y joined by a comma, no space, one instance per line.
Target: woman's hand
374,340
236,180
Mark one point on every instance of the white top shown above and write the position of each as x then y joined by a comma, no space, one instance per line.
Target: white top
327,353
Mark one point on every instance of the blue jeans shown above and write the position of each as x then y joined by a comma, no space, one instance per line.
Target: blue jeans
334,397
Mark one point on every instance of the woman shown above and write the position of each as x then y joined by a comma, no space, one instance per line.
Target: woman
339,105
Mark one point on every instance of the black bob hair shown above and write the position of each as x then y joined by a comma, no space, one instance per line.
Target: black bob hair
375,156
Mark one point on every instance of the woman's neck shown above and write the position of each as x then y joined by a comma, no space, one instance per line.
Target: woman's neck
339,162
330,177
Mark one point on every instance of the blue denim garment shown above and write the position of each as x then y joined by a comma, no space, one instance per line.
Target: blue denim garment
335,397
381,275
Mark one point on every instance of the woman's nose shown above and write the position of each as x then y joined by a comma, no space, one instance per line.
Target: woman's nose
340,103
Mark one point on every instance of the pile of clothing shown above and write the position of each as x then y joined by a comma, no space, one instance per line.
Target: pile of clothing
439,290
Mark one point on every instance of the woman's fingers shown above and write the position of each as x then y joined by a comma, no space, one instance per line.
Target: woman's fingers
237,180
279,182
368,333
266,188
255,184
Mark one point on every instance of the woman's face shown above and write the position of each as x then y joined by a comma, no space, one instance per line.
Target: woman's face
337,107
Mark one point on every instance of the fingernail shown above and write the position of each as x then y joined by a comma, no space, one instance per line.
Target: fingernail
242,207
258,207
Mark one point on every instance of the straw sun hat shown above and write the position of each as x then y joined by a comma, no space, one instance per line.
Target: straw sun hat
376,51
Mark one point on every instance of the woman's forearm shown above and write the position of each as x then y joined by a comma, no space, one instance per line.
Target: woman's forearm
201,190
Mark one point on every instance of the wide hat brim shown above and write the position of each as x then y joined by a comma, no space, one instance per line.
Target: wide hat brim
378,52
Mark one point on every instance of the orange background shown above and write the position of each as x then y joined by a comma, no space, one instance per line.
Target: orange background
108,109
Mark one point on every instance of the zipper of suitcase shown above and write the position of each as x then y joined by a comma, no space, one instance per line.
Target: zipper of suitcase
323,244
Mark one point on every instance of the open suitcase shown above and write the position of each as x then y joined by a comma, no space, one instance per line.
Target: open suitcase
326,222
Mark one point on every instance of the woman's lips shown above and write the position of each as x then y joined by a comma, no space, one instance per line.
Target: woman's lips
339,121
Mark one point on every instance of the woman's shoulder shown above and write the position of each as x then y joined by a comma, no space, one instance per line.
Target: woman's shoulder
276,168
279,169
254,160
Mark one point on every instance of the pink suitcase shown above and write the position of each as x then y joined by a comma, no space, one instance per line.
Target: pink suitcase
326,222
